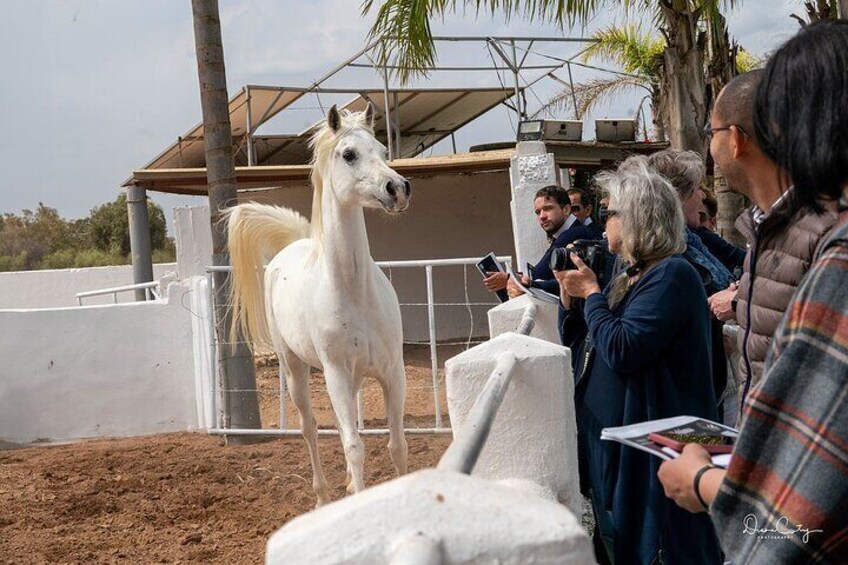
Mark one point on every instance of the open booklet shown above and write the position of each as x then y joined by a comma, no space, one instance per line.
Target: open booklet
665,438
534,292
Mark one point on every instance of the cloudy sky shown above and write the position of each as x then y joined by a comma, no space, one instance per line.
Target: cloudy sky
92,89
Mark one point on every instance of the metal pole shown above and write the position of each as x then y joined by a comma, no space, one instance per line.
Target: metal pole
396,117
434,361
142,259
573,96
515,71
387,113
213,349
462,454
250,159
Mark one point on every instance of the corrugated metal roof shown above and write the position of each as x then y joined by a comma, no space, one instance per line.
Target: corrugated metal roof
424,117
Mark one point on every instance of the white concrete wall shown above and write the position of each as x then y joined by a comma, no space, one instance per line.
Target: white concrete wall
117,370
57,288
450,216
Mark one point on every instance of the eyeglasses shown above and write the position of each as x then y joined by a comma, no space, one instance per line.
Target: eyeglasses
710,131
575,207
606,213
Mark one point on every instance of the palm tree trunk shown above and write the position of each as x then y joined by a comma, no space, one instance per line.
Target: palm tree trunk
237,376
722,68
682,105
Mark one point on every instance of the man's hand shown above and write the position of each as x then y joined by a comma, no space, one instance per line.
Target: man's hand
721,303
678,476
512,289
578,283
495,281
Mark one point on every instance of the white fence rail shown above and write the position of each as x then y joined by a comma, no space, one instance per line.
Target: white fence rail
151,291
428,266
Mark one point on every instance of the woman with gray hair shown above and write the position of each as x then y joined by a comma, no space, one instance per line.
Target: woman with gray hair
647,356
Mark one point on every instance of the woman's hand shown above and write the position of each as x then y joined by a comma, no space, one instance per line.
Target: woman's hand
678,475
578,283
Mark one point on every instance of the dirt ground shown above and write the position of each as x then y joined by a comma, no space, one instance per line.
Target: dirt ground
189,497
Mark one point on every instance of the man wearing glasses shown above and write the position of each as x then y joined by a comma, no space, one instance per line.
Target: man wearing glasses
582,208
782,237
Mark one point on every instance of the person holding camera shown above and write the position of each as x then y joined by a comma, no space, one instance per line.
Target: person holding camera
646,356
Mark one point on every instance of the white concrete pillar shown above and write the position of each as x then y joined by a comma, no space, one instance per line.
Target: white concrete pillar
532,444
193,239
505,318
464,518
530,169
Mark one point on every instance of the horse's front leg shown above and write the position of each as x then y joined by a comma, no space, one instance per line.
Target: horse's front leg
297,381
394,395
342,393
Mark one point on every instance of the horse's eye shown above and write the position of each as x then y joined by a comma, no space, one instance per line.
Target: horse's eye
349,156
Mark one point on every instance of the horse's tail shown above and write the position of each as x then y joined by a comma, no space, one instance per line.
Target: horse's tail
257,232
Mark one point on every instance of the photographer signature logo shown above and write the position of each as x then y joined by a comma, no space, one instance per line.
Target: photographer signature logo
782,529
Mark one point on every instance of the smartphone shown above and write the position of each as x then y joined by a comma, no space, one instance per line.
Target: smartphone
529,271
712,443
489,264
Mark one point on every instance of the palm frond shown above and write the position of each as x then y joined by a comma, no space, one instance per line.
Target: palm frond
588,95
634,50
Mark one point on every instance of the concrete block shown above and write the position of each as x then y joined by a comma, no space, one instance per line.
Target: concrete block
530,169
533,438
505,318
415,518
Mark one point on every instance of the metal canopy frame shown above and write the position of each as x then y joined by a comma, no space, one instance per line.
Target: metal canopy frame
254,105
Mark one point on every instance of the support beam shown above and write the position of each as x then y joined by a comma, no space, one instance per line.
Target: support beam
142,258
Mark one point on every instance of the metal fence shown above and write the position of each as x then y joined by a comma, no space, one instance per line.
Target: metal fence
429,267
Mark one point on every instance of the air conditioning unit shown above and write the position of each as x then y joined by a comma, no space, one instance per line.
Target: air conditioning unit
615,130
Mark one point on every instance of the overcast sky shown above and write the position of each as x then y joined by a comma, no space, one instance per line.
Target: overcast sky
92,89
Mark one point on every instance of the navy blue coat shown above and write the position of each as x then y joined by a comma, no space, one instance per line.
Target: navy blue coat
648,358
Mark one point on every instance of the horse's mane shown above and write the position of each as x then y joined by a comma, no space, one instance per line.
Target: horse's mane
322,143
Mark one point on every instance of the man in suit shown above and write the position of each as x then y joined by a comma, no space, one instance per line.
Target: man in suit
552,207
582,206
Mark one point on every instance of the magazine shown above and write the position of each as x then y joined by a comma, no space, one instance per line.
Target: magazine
534,292
678,430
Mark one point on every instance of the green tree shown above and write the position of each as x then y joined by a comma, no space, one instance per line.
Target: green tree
109,229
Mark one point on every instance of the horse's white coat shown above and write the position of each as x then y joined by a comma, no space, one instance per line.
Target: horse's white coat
326,302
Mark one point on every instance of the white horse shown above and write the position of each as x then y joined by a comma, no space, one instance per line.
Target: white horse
325,303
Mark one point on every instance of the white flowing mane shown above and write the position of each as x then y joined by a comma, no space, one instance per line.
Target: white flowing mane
323,142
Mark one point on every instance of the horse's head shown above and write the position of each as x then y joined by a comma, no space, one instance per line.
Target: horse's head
350,157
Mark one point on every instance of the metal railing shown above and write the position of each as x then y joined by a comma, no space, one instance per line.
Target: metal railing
151,291
431,304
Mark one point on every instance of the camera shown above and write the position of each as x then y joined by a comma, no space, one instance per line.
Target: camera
590,251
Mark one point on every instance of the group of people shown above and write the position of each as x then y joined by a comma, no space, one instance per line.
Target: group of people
648,344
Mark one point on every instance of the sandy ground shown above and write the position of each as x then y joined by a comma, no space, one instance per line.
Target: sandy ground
189,497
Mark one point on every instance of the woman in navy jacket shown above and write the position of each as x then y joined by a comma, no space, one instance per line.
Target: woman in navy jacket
647,356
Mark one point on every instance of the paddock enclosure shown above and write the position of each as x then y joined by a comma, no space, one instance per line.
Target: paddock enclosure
189,497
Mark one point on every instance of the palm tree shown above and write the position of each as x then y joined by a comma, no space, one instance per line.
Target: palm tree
238,379
637,53
404,26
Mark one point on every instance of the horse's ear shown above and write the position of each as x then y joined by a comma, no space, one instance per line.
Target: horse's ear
333,119
369,115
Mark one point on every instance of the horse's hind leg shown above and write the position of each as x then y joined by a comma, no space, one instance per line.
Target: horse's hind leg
394,395
342,393
297,380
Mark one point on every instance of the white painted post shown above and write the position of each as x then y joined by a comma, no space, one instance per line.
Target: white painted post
532,443
434,361
506,317
460,518
530,169
282,376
